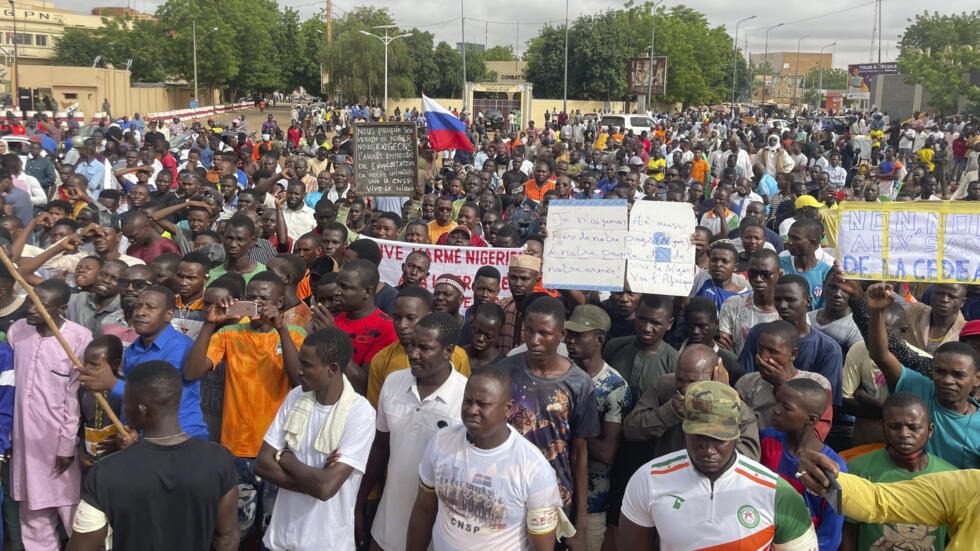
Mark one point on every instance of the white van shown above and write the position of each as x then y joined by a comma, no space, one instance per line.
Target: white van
625,122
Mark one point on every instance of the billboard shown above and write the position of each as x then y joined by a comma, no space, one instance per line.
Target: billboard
638,76
859,78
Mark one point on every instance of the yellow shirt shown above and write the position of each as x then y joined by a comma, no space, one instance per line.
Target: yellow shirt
657,164
951,498
436,231
392,358
600,141
925,155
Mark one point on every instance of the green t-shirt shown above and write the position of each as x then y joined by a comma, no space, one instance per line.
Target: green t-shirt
793,523
878,466
219,271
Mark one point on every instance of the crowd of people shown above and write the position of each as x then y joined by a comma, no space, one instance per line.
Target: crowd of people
227,302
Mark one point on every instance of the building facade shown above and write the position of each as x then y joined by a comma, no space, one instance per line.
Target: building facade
785,83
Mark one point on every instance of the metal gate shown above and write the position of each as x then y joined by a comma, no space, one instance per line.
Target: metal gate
488,104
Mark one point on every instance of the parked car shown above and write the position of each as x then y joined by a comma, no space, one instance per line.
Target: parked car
626,122
495,119
837,124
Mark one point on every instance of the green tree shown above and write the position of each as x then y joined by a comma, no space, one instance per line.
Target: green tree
699,68
937,51
120,41
77,47
423,69
499,53
356,61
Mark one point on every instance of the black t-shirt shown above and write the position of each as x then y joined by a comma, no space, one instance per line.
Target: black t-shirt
162,497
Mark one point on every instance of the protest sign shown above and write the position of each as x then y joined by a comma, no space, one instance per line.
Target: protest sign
385,158
461,261
586,245
929,241
659,251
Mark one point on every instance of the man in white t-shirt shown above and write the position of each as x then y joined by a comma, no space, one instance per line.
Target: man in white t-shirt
316,451
413,406
484,486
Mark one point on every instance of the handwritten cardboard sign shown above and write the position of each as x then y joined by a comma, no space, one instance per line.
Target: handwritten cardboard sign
929,241
659,252
586,245
385,158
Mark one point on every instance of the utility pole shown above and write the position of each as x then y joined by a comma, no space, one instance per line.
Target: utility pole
735,60
564,102
796,69
194,40
653,39
462,24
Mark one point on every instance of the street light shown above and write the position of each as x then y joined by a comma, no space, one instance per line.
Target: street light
15,96
796,70
735,58
765,57
653,38
194,40
820,63
388,40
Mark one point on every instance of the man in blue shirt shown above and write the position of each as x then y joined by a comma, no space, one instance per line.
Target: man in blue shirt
158,340
948,391
804,257
816,352
91,167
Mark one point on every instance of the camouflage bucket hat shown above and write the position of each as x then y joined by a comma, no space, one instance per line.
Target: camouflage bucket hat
712,409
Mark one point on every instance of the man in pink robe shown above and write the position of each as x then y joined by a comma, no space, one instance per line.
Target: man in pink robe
45,478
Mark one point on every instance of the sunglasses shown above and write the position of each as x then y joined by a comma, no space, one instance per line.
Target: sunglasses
764,274
138,284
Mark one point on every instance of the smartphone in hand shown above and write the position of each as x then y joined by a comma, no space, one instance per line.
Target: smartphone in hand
833,493
244,308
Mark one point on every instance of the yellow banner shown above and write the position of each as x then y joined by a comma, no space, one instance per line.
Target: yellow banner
926,241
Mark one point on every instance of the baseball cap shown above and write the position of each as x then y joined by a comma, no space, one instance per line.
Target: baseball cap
971,329
808,201
636,160
462,229
712,409
588,317
624,169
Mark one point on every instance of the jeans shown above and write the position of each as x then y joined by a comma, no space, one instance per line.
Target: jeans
256,498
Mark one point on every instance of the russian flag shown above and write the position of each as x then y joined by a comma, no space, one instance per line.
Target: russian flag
445,130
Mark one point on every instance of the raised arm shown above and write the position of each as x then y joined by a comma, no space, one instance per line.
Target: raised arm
862,318
880,298
282,232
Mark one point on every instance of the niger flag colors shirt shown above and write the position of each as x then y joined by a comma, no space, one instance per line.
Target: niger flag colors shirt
747,507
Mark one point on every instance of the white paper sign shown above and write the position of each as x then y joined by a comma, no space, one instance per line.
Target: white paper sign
586,245
659,250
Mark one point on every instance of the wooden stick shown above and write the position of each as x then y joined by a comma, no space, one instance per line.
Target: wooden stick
53,327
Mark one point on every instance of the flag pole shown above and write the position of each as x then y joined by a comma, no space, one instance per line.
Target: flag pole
53,327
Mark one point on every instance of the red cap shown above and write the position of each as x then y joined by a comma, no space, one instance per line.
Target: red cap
971,329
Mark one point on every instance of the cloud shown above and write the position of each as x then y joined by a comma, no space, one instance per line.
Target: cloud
847,22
